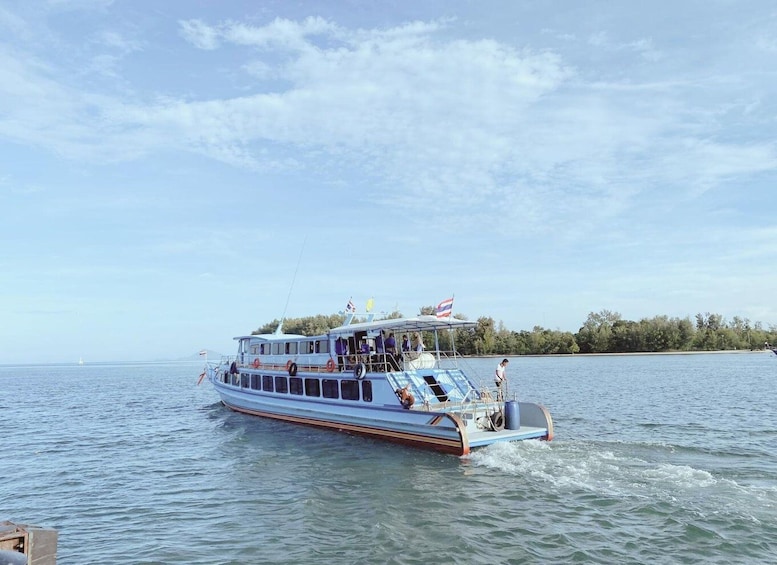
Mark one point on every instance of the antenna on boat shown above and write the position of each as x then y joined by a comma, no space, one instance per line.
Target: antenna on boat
279,329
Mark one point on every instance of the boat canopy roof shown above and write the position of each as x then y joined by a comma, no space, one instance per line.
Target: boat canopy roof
399,325
273,337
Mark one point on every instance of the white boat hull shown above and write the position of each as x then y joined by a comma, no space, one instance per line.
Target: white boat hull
451,429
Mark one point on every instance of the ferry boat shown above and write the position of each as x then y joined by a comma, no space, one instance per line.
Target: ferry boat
386,379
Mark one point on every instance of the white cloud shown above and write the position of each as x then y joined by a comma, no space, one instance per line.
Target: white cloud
631,165
767,43
200,34
478,122
699,165
280,33
117,41
13,22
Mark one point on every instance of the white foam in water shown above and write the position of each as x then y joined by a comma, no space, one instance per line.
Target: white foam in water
679,475
609,470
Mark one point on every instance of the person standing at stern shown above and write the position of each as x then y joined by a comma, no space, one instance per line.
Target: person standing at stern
500,378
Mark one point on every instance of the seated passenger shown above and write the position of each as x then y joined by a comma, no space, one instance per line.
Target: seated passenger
405,397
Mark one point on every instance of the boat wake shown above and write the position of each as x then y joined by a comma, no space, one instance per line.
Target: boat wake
627,472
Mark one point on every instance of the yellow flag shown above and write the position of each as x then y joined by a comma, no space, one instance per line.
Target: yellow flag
370,304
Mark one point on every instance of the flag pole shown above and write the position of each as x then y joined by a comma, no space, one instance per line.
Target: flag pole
450,329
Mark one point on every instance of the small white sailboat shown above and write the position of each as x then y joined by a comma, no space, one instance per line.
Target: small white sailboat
80,360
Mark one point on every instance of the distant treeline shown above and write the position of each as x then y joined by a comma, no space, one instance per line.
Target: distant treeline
603,332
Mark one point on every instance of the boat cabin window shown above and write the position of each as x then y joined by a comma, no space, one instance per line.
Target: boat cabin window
367,391
295,385
312,387
347,389
264,348
281,385
350,390
291,347
330,388
276,348
322,346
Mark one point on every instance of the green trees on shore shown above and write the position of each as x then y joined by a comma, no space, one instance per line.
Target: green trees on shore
607,332
602,332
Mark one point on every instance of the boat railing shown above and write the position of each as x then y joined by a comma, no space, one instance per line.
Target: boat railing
462,400
384,362
227,360
478,404
375,362
442,359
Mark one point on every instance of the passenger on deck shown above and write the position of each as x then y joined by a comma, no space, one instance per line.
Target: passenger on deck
341,350
405,343
365,356
352,351
500,378
391,353
379,347
418,343
405,397
391,344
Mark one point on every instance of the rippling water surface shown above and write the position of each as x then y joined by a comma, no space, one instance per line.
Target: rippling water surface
657,459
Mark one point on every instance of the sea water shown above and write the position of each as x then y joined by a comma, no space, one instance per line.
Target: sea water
657,459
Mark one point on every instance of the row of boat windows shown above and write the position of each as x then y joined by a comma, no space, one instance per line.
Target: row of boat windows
328,388
290,347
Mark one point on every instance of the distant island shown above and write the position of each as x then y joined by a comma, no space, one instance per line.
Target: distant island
602,332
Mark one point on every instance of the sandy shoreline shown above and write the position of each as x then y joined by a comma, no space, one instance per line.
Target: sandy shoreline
738,351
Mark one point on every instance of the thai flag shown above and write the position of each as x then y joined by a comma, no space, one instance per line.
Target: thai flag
444,308
203,352
351,307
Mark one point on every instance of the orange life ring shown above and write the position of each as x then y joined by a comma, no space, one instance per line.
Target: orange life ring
257,363
330,365
202,376
288,364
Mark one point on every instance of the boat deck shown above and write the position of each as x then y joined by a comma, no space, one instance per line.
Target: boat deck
423,399
480,439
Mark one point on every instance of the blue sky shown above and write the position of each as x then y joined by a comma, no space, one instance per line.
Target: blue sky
168,169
